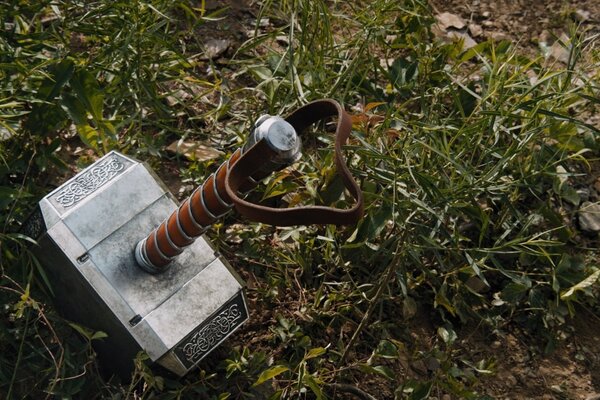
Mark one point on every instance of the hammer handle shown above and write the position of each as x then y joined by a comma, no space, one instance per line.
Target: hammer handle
270,149
208,203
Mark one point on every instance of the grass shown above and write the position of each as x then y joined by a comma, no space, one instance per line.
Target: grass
469,219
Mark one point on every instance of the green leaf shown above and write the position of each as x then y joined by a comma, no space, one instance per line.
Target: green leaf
312,383
384,371
374,223
513,292
569,194
316,352
447,334
85,332
261,73
270,373
421,391
536,298
99,335
587,282
379,370
42,274
89,135
277,395
442,300
475,50
386,349
61,73
8,195
75,110
88,92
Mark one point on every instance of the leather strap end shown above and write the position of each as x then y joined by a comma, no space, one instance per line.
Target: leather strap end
260,154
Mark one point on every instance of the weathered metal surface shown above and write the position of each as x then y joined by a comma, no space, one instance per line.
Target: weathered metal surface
87,233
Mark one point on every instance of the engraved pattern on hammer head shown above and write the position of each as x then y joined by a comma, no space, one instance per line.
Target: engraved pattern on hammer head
89,182
211,335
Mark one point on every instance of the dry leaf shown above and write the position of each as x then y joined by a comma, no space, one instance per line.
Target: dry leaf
448,20
468,41
194,151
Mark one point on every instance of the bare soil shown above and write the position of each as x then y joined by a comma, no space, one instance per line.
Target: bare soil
525,22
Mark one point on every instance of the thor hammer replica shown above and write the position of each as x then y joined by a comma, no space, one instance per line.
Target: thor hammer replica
167,292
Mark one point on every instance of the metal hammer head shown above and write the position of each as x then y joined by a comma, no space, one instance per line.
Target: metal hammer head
87,230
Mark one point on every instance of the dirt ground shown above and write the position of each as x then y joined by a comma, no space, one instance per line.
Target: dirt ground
526,22
572,371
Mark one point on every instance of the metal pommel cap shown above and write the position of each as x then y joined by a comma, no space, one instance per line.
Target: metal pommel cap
280,136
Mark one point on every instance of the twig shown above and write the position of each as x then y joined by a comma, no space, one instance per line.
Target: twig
57,363
343,387
19,356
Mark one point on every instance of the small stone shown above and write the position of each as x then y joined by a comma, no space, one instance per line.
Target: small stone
497,36
556,389
476,30
531,374
215,47
185,190
533,77
283,40
589,217
560,51
581,15
562,174
597,185
5,133
496,344
467,40
179,96
486,14
386,62
448,20
584,194
250,33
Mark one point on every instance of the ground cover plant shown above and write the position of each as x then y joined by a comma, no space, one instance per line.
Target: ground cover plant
470,262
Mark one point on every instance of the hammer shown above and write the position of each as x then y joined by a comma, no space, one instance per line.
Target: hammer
168,292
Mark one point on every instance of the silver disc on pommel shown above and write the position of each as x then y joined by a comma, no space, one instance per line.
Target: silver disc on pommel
280,136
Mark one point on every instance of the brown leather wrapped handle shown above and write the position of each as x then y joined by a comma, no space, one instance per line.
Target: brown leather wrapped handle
219,193
255,157
207,204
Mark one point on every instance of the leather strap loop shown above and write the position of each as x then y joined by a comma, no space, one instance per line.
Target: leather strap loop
260,154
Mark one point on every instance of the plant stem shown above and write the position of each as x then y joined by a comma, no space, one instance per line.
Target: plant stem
19,355
387,278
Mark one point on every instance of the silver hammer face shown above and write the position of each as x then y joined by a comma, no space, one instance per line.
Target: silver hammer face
87,230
